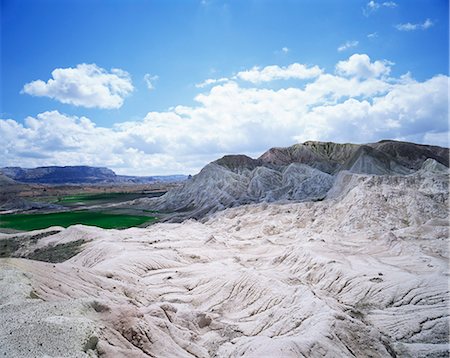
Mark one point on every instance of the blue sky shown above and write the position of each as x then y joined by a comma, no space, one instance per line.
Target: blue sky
177,45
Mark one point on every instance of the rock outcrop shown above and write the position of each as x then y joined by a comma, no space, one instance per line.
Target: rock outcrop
218,187
412,155
325,156
301,172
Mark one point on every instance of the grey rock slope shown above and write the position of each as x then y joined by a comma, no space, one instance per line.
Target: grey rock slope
217,187
431,165
302,172
325,156
332,157
412,155
367,160
6,181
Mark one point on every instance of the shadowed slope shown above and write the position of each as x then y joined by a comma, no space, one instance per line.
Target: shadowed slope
412,155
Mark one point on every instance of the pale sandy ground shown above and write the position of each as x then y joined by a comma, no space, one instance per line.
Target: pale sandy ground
361,274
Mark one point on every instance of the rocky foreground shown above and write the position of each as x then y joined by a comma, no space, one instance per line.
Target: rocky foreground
362,273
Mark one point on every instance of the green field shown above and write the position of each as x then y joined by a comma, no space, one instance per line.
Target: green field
86,198
94,199
28,222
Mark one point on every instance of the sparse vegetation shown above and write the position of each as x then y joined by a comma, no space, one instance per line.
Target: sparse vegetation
57,253
8,246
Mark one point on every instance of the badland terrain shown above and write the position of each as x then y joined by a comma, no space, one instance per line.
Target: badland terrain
318,249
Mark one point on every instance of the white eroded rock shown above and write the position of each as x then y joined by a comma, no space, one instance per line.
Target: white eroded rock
363,273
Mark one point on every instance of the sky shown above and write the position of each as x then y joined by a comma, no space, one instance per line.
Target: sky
149,87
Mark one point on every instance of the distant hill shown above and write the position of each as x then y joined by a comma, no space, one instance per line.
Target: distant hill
79,175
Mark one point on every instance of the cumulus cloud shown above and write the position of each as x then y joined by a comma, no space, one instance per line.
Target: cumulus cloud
359,65
86,85
271,73
150,81
70,140
359,102
285,50
412,27
347,45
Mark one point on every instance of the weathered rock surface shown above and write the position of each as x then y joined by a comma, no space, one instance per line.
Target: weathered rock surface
331,157
362,273
412,155
325,156
301,172
217,187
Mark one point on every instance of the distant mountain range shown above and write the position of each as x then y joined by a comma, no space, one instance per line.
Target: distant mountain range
79,175
302,172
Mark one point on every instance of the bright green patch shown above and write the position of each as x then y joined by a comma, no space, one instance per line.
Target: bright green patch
41,221
87,198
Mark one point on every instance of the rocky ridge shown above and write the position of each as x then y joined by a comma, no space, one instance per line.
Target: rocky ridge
302,172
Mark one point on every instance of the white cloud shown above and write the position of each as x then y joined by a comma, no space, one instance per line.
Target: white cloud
360,66
358,103
272,73
283,51
86,85
373,6
427,24
412,27
406,27
211,81
347,45
390,4
372,35
150,81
